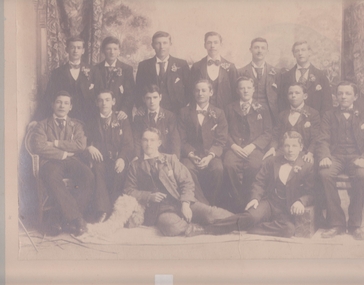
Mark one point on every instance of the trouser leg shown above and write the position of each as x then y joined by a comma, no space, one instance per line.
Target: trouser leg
171,224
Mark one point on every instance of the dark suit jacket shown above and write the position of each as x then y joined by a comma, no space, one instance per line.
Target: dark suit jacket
177,74
272,83
328,138
121,83
299,185
259,121
226,93
122,138
174,176
318,90
46,132
308,125
166,124
82,90
214,130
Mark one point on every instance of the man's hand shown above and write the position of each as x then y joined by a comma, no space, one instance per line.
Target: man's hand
140,111
238,150
186,211
359,162
247,150
95,153
204,162
308,157
325,162
194,158
119,165
122,116
297,208
156,197
270,152
253,203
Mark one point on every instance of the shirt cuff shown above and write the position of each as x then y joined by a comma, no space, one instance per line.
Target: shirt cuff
65,155
211,153
55,143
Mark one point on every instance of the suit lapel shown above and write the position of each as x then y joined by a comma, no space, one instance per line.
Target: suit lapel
193,115
53,127
297,165
103,72
152,68
203,69
237,108
310,72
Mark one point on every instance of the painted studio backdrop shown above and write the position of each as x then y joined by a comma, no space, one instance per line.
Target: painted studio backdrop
332,28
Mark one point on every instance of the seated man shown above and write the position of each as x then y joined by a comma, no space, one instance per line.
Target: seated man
203,131
165,186
250,129
157,117
111,150
341,147
58,140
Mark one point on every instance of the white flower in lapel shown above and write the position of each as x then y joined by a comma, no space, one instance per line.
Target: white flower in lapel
115,124
161,115
86,72
272,72
312,78
162,159
225,65
174,67
212,114
305,113
318,87
274,85
307,124
297,168
118,71
121,88
259,117
71,123
91,86
356,113
256,106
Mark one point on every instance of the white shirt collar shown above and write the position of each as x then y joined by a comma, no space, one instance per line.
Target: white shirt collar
112,65
105,117
299,107
256,66
165,60
157,111
55,117
150,157
250,102
75,62
199,108
291,160
300,67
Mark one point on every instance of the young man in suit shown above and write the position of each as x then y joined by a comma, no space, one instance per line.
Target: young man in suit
116,76
266,77
221,73
341,148
58,140
165,187
74,77
170,74
111,149
317,85
159,118
203,131
249,134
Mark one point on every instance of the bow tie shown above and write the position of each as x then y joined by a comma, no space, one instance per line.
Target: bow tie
292,111
74,66
346,110
211,62
201,112
285,160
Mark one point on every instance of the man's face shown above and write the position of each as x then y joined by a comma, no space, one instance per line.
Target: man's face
346,96
296,96
75,51
152,101
61,106
245,90
291,148
302,54
202,93
259,50
213,46
161,47
150,143
111,52
105,102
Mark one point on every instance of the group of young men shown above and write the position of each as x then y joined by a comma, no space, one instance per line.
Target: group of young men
206,150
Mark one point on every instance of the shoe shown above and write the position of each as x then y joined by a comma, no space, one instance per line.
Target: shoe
330,233
357,234
78,227
194,230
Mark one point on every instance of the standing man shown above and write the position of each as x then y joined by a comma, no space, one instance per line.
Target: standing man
116,76
266,77
316,83
170,74
74,77
221,73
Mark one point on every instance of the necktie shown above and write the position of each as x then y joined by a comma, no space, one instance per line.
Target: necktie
153,165
74,66
105,123
161,68
61,123
245,108
202,112
347,110
259,71
152,116
211,62
302,79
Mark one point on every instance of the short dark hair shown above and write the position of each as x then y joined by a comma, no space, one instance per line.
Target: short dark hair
301,85
210,34
153,130
243,78
161,34
109,40
61,93
208,82
151,88
105,91
348,83
258,40
292,135
298,43
75,39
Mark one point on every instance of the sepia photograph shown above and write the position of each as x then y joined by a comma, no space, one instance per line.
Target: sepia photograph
183,131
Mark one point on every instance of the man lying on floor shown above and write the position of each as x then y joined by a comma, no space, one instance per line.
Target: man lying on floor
165,187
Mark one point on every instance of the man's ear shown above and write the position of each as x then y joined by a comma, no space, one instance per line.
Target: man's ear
305,96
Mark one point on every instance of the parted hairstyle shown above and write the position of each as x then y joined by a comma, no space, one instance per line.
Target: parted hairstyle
258,40
301,85
348,83
298,43
208,82
153,130
109,40
161,34
243,78
210,34
75,39
61,93
151,88
292,135
105,91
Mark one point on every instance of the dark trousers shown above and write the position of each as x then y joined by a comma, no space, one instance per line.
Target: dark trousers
240,174
208,181
72,203
109,185
335,214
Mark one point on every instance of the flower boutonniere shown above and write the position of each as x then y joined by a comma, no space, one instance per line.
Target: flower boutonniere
259,117
71,123
118,71
297,168
356,113
318,87
174,67
225,65
305,113
272,72
312,78
161,115
86,71
162,159
115,124
256,106
212,114
307,125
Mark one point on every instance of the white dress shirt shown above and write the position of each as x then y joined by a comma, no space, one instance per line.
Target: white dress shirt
213,70
112,65
256,66
298,72
284,172
201,117
157,66
293,117
75,72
